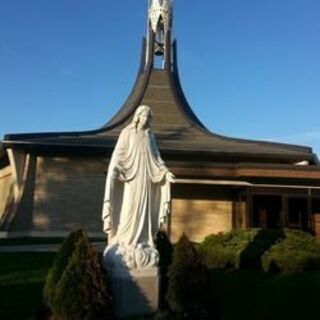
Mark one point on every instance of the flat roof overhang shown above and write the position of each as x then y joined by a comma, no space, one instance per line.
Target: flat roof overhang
170,151
184,163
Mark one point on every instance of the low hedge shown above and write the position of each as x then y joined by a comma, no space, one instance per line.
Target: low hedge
263,249
264,239
224,250
297,252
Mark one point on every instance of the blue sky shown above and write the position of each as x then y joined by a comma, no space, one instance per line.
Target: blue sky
250,68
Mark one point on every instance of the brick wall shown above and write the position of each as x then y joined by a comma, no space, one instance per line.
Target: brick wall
68,194
200,210
64,194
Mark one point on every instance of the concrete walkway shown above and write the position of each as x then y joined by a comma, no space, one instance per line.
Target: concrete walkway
43,247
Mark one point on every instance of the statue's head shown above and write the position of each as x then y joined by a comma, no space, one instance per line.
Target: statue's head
142,117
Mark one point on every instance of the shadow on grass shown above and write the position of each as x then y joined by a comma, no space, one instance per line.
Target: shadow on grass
22,277
251,295
21,301
23,241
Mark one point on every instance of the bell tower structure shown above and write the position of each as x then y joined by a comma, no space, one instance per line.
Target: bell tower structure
159,32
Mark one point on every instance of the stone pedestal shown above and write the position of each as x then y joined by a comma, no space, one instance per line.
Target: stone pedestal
135,292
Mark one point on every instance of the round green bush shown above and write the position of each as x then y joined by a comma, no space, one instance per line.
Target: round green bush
297,252
238,248
224,250
264,239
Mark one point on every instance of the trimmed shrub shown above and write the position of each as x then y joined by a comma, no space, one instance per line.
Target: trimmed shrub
250,256
55,273
187,290
297,252
238,248
224,250
81,291
165,249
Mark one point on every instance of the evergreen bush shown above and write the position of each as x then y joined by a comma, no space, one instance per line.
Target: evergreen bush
81,291
224,250
187,291
55,273
264,239
297,252
238,248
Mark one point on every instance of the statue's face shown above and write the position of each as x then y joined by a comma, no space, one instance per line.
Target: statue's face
145,119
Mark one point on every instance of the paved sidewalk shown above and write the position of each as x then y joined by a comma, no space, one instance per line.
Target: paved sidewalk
43,247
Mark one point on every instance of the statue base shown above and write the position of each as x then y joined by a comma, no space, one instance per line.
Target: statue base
135,292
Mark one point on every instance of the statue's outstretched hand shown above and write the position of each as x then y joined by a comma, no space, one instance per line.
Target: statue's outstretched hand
170,177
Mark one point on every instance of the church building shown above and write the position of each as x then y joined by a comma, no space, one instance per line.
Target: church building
53,183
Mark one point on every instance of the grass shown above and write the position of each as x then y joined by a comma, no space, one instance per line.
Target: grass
251,295
35,241
29,241
21,281
22,277
248,295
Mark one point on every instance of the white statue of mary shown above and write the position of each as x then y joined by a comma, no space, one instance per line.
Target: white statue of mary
137,196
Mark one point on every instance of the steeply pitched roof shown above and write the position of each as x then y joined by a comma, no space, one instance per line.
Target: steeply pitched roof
177,129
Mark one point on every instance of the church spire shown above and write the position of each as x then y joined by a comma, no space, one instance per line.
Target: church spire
159,31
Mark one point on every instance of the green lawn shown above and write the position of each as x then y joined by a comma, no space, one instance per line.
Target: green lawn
34,240
247,295
251,295
29,241
21,281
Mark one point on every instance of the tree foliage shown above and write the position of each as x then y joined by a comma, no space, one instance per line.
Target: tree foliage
80,291
60,263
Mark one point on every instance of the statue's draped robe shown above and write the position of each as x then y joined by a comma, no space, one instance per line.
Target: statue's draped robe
137,192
